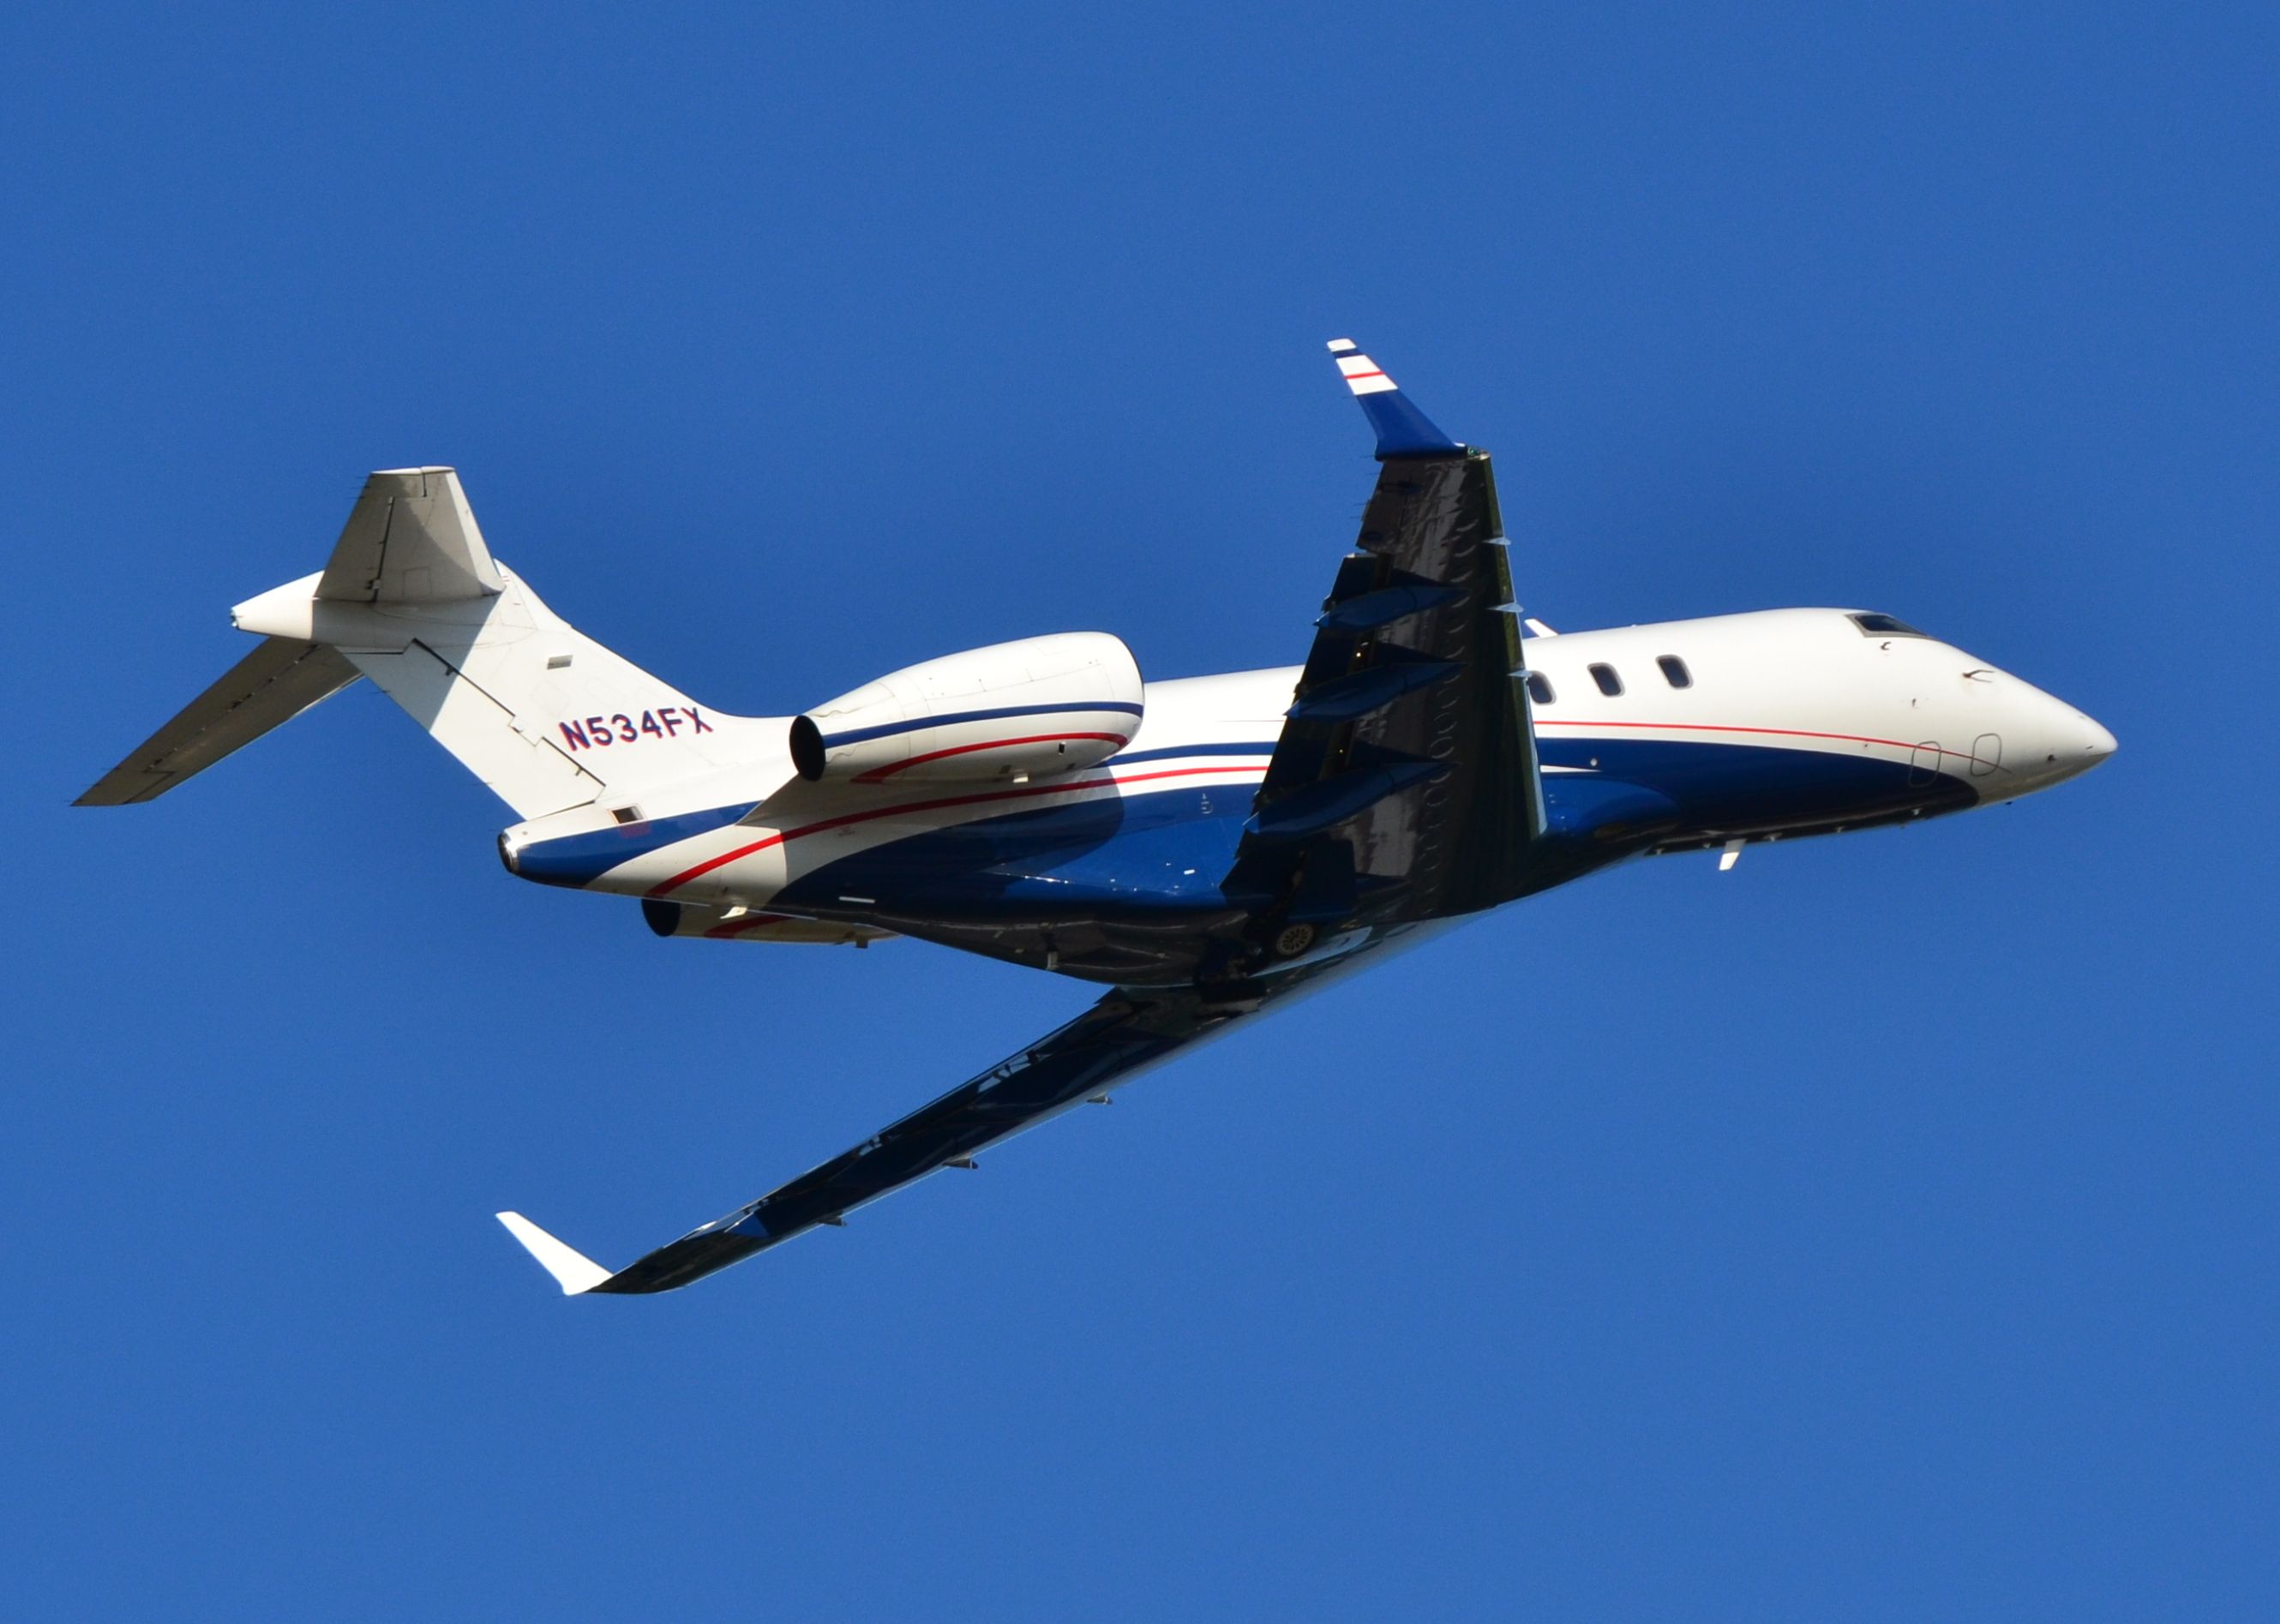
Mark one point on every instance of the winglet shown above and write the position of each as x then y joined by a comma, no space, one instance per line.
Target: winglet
1402,429
574,1269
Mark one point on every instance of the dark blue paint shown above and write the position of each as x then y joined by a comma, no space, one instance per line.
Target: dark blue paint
1402,429
575,860
1357,694
859,735
1262,747
1132,856
1165,850
1382,608
1314,807
1591,808
1719,786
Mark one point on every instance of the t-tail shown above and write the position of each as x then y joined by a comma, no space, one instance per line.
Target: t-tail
412,599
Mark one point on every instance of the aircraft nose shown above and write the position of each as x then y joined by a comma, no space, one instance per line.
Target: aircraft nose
2066,741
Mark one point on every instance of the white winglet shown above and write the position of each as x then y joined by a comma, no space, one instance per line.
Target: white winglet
1362,374
574,1269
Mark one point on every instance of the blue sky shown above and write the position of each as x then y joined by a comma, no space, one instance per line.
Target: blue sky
1883,1229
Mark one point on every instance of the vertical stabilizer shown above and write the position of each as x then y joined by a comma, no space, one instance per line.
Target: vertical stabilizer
409,539
411,597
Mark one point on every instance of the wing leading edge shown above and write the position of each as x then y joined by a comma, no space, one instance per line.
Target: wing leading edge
1123,1035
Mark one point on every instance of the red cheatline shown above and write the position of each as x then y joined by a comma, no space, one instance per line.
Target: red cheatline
881,775
751,921
1787,733
784,835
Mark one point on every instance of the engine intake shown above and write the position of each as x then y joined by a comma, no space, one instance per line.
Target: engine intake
1013,710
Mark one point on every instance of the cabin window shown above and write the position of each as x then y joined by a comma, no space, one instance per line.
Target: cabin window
1610,684
1675,671
1539,688
1882,626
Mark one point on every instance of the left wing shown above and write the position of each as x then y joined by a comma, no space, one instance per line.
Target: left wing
1125,1034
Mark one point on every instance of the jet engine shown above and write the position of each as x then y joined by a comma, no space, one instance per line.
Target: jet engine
681,918
1011,711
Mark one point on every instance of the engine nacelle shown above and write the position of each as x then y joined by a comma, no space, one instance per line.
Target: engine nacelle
1013,710
683,918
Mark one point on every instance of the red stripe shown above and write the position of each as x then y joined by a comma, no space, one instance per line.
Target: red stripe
783,836
1787,733
881,775
751,921
1351,376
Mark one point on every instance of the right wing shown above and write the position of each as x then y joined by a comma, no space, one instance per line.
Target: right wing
1403,786
265,689
1126,1033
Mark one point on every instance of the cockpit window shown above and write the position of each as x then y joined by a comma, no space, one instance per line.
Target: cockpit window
1675,671
1884,626
1539,688
1610,684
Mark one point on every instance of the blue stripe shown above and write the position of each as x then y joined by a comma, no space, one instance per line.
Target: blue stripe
577,859
1709,786
1266,748
833,741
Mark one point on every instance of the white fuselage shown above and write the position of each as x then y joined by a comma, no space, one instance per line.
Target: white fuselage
1811,679
1757,725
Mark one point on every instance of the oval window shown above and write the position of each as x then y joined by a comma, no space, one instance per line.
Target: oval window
1539,688
1675,671
1610,684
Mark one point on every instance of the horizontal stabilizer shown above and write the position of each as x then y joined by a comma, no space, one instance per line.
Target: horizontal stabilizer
265,689
574,1269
